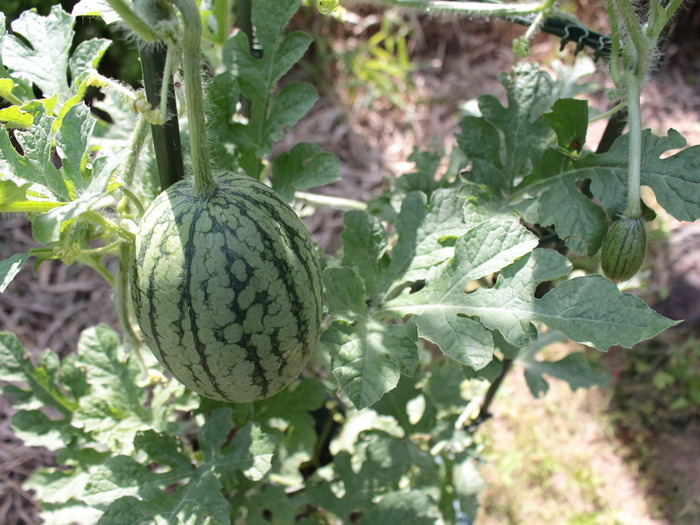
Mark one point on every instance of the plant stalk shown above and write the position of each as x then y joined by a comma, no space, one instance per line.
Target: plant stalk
633,210
166,137
484,413
204,184
122,291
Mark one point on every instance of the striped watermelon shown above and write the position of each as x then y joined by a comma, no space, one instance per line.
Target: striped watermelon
623,249
227,290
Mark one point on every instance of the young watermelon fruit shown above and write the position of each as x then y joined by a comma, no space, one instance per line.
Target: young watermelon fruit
227,289
623,250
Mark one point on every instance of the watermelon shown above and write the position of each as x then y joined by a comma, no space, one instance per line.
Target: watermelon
623,249
227,289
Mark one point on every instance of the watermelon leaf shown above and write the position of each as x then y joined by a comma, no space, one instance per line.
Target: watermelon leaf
369,357
258,71
304,166
123,484
10,267
39,52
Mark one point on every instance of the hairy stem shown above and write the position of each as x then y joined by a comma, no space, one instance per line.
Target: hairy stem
633,209
139,26
204,185
138,138
122,293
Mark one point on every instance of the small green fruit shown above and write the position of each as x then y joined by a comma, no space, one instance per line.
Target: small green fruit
623,249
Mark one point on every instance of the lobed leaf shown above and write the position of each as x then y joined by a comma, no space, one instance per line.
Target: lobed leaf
369,357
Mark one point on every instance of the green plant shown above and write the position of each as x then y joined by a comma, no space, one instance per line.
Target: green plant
441,286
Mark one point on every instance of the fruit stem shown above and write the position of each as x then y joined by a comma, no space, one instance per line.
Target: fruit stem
633,210
204,184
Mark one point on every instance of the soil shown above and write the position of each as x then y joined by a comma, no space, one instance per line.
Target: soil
458,60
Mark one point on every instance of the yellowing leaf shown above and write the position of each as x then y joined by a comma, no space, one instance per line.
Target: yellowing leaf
14,117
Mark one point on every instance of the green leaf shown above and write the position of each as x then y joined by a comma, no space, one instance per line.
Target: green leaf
41,382
250,453
122,476
48,226
113,375
673,180
163,448
398,508
345,294
592,311
72,145
35,165
369,357
215,432
364,247
505,142
36,429
125,485
508,306
304,166
446,315
85,59
258,74
271,505
223,96
468,483
200,503
569,120
11,266
292,102
96,8
427,234
13,90
575,369
41,56
294,404
582,223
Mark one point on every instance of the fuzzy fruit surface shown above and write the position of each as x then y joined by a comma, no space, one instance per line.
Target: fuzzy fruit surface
227,289
623,250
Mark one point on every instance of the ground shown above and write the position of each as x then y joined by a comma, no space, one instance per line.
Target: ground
622,455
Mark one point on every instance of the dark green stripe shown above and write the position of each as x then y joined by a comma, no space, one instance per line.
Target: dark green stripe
190,246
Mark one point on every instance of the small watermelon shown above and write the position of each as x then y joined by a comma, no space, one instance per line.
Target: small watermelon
227,289
623,250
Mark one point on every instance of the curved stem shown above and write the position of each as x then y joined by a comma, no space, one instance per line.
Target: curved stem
110,226
93,263
130,197
134,21
138,138
634,167
122,292
204,185
493,390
